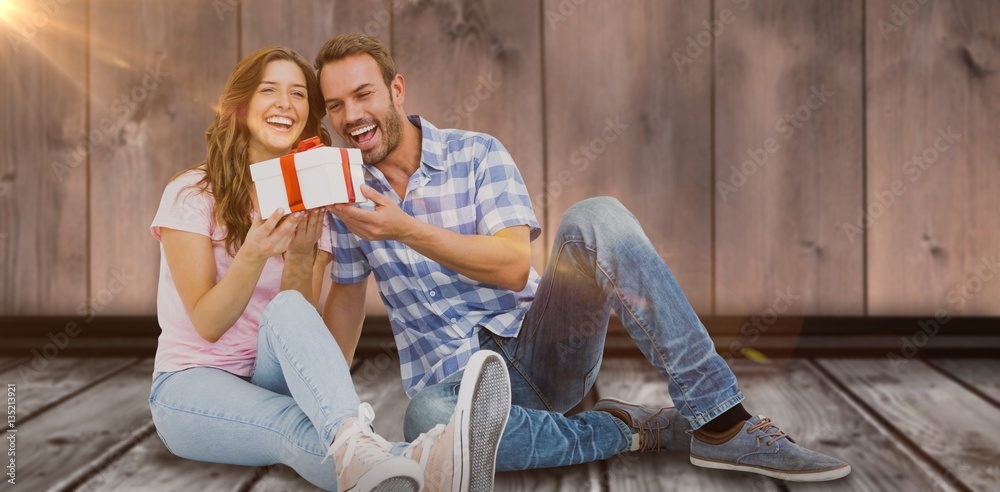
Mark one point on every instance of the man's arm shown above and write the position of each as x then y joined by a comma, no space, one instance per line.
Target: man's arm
344,314
503,259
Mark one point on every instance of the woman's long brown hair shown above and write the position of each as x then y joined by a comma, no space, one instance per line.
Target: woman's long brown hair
227,163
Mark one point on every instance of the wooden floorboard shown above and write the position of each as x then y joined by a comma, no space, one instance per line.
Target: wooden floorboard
634,380
941,419
981,375
58,380
804,404
150,467
66,438
10,362
919,429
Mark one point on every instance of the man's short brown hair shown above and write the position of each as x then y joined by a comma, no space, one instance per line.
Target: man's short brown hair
345,45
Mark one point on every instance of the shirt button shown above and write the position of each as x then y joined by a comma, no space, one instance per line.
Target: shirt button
453,320
433,293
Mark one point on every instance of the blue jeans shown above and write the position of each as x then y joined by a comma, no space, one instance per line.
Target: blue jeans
601,259
288,412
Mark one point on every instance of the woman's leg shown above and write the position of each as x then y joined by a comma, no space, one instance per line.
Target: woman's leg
297,356
207,414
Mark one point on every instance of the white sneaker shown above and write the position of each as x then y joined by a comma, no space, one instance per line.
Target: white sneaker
461,456
364,462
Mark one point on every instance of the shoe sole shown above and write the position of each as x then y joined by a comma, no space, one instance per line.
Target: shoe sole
407,477
483,407
397,484
808,476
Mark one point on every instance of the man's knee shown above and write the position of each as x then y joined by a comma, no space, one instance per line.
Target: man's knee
432,406
601,211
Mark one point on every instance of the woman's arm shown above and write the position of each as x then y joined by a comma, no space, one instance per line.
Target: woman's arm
215,307
303,258
344,314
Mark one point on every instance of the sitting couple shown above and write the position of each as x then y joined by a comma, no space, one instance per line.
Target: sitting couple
249,372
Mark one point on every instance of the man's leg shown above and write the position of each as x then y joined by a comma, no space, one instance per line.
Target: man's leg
600,243
602,259
534,437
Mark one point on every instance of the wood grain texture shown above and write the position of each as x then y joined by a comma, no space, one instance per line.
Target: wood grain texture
150,467
476,65
622,120
940,417
9,362
156,72
932,71
634,380
981,374
789,164
59,379
79,430
43,168
804,404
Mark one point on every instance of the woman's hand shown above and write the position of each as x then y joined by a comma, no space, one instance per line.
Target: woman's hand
307,234
268,238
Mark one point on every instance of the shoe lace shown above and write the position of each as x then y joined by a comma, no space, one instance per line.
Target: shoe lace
649,433
361,440
765,425
425,442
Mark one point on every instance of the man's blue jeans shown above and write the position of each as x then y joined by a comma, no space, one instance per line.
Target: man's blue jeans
601,259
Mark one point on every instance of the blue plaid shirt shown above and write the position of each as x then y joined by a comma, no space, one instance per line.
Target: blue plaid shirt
466,183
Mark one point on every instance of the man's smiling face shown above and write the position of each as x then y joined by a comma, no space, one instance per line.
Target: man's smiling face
362,109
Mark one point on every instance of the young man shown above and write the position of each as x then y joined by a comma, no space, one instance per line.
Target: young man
447,235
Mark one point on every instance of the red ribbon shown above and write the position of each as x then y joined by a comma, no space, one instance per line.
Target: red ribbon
345,162
291,176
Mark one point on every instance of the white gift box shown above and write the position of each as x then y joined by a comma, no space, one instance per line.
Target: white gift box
310,177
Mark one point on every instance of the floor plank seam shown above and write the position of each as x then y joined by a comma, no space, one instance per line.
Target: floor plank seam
55,403
885,425
12,364
961,382
106,460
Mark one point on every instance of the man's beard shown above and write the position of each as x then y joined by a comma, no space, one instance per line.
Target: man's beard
392,134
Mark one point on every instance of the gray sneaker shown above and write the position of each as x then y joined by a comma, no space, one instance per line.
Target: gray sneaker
760,447
662,429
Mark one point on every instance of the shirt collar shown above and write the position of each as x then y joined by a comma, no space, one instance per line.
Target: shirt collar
432,146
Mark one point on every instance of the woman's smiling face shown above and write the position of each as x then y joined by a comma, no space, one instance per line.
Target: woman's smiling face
277,111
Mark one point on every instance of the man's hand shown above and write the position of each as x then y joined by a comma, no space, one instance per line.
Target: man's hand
386,222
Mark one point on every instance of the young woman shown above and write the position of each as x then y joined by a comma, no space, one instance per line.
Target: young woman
246,371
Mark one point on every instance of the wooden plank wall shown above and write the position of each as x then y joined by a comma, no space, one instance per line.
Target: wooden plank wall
662,104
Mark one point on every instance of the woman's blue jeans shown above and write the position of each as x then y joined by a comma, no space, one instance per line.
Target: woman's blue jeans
288,412
601,260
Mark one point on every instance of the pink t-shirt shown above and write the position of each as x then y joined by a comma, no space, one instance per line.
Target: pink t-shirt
180,346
